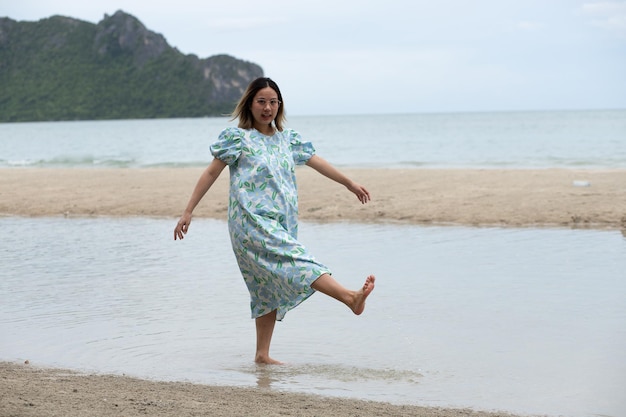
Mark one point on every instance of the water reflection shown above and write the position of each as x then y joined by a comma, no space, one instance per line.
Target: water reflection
265,377
336,376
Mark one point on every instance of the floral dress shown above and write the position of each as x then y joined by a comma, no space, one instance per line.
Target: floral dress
263,217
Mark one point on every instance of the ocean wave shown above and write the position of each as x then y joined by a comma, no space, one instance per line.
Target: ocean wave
70,161
91,162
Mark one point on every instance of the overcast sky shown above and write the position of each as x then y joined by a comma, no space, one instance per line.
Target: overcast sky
396,56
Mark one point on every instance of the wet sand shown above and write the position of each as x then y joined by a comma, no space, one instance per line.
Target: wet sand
26,390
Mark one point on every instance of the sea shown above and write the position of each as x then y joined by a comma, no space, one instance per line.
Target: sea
524,320
565,139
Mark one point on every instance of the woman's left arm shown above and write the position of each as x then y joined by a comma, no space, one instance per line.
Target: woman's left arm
325,168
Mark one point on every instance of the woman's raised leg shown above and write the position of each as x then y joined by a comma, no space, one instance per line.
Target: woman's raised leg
355,300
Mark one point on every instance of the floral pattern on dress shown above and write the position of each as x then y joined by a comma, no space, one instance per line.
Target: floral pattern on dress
263,217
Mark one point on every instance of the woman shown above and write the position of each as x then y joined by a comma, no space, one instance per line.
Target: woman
263,211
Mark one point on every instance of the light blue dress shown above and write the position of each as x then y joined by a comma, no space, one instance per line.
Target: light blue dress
263,217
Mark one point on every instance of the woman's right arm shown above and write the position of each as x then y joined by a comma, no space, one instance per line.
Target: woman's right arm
206,180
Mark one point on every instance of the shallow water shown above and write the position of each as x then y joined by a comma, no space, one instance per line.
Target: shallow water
523,320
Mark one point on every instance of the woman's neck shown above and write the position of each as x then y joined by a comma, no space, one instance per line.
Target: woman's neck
267,130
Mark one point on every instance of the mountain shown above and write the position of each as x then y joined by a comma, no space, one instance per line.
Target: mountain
62,68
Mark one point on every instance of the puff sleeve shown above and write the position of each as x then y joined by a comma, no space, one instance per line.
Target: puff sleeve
227,148
301,151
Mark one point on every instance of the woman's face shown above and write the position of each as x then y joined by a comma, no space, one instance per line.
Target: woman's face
264,108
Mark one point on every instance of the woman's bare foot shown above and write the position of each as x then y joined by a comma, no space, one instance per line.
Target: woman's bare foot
359,303
266,360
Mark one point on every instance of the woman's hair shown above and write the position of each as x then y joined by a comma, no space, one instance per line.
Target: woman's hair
243,112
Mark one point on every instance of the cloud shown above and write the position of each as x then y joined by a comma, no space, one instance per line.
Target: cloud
608,15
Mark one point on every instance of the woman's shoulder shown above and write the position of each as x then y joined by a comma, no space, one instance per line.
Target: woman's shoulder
229,138
291,134
233,132
228,146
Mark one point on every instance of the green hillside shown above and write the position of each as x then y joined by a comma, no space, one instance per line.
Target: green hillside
66,69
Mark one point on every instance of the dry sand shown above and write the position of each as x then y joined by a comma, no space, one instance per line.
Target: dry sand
521,198
515,198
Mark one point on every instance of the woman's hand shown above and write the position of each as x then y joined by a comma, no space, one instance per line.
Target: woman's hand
205,182
361,192
182,226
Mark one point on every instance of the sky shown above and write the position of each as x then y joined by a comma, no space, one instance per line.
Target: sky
332,57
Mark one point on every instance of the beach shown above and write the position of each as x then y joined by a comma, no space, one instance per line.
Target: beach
476,197
31,391
504,198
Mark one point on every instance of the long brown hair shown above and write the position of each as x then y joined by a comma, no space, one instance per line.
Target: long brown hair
242,110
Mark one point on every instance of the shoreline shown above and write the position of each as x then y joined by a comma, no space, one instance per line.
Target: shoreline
37,391
462,197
